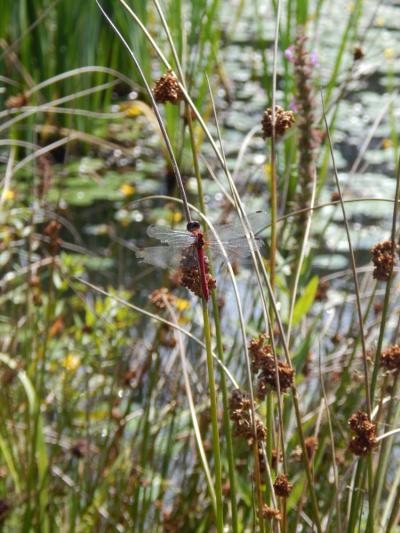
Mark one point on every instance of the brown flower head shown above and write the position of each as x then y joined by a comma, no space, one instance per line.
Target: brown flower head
167,337
167,89
322,290
365,433
19,100
361,445
240,414
384,259
358,53
270,513
161,297
51,233
267,378
282,486
260,351
390,358
311,446
191,273
263,363
283,121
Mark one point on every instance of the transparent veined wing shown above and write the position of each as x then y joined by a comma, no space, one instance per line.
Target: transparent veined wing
170,236
234,230
160,256
236,249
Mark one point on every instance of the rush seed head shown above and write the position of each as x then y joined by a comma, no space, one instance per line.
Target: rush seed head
167,89
283,121
384,259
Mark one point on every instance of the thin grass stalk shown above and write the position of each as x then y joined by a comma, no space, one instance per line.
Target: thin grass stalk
214,421
171,154
387,445
353,267
273,176
300,261
385,309
359,312
333,450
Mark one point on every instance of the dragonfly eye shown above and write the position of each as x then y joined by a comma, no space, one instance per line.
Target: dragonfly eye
193,226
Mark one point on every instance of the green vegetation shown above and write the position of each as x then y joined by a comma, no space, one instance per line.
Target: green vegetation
128,402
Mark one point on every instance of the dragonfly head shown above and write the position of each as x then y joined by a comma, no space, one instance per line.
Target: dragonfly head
193,226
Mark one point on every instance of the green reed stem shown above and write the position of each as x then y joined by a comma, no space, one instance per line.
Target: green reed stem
220,350
214,420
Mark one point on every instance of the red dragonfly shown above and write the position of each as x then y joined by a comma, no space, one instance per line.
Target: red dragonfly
187,249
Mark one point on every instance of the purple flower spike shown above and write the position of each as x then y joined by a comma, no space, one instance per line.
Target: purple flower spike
314,59
293,106
289,53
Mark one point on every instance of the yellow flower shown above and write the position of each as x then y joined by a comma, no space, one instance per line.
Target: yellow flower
387,143
9,195
388,53
71,362
380,22
127,189
131,109
181,304
268,170
175,217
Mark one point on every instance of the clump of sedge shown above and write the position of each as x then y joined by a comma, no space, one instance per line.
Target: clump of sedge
190,273
282,486
390,359
284,120
384,259
167,89
364,430
263,364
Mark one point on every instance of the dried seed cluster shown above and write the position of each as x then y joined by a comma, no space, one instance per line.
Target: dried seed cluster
358,53
161,297
384,259
282,486
283,121
390,358
167,89
191,273
240,414
271,513
18,100
51,232
311,444
322,290
364,438
263,364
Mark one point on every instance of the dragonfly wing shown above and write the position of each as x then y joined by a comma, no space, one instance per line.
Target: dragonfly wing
160,256
258,221
236,249
170,236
